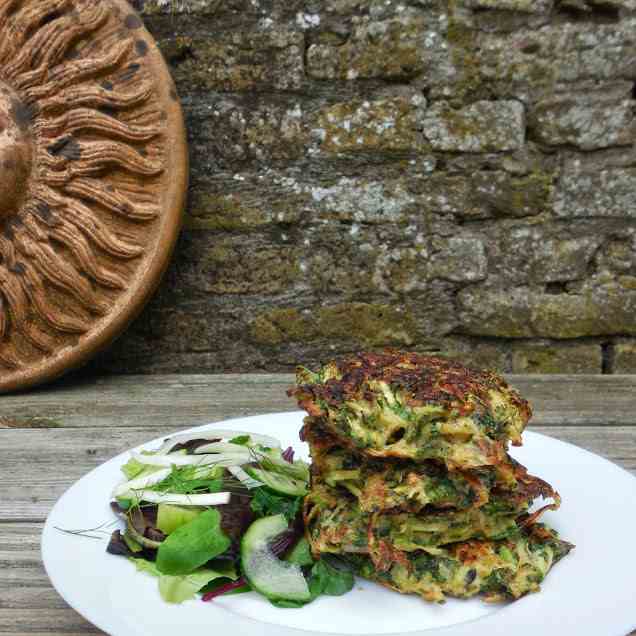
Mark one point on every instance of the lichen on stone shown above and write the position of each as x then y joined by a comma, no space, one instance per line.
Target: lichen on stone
362,323
375,48
481,127
387,125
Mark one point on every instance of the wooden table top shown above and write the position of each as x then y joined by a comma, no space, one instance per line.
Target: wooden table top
64,431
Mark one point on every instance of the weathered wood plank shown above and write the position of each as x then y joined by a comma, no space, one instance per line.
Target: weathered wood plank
185,400
176,401
44,621
58,457
24,584
28,602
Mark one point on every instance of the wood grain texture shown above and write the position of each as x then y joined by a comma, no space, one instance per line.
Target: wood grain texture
187,400
68,429
28,602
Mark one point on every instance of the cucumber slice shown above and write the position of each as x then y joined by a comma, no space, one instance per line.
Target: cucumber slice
273,461
266,573
278,482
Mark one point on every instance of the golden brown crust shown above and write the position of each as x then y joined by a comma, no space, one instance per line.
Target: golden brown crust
423,380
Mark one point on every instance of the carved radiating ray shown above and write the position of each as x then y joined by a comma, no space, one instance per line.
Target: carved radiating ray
86,260
81,216
74,72
49,314
57,272
7,250
87,119
99,193
96,96
24,21
89,158
18,304
52,43
46,229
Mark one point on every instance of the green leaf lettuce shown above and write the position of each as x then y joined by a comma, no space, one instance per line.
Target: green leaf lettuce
193,544
176,589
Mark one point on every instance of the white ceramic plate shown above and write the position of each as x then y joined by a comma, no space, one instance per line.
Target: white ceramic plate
591,592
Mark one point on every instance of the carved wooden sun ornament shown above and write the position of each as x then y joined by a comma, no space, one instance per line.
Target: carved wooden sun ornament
92,180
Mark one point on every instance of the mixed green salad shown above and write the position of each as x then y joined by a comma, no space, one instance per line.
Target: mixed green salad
220,512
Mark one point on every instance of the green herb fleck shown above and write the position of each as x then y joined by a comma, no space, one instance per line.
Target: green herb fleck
241,440
266,502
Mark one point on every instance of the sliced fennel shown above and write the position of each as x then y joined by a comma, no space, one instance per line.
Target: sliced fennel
224,447
174,459
221,434
155,496
144,481
272,460
244,478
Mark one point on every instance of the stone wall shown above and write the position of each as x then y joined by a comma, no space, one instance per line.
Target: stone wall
457,177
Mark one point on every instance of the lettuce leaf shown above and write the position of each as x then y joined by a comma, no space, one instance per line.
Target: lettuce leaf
132,468
176,589
193,544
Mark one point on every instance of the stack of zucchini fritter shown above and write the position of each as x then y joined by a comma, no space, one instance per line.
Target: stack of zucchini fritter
412,482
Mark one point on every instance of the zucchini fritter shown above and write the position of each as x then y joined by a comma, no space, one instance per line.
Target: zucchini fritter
411,479
498,570
406,485
335,523
416,407
510,561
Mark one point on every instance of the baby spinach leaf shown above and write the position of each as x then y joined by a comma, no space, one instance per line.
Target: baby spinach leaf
330,580
193,544
300,554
